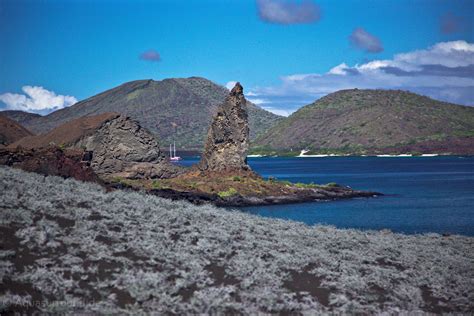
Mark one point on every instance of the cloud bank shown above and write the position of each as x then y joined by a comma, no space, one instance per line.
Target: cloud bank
362,39
288,12
444,71
36,99
150,55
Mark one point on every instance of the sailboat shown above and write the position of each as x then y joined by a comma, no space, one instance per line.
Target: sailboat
173,156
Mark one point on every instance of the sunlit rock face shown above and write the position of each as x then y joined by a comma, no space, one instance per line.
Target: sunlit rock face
121,147
228,137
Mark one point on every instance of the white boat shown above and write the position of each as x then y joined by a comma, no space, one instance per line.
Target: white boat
429,155
254,156
173,156
304,151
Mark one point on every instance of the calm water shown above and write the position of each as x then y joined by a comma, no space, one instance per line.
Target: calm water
425,194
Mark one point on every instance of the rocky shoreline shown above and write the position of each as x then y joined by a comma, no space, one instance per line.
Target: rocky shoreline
240,201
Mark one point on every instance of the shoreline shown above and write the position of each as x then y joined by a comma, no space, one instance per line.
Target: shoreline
302,195
360,156
244,201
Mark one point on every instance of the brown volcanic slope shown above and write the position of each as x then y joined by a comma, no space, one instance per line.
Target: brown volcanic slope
358,121
185,106
11,131
66,134
19,116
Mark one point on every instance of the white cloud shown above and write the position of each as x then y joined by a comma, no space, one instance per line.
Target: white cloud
36,99
257,101
276,111
444,71
449,54
338,70
229,85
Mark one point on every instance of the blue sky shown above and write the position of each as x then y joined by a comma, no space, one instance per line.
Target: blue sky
80,48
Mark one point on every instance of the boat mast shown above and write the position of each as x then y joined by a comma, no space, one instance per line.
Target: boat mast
174,149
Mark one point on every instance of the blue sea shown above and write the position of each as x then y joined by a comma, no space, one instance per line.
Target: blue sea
422,194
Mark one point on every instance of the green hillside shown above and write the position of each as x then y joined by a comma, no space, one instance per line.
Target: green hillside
355,121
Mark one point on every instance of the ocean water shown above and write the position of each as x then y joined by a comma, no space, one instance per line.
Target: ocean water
422,194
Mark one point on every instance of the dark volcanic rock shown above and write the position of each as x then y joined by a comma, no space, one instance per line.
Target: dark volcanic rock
300,196
121,147
50,161
228,137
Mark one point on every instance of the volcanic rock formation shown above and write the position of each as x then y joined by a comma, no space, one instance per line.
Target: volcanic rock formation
122,147
228,137
118,146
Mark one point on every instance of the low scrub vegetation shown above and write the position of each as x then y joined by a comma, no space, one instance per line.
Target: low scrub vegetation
230,192
70,247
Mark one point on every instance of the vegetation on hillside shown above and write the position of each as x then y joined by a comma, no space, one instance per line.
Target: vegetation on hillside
69,247
354,121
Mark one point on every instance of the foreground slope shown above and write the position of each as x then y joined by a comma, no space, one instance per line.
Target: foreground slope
181,108
374,120
11,131
70,247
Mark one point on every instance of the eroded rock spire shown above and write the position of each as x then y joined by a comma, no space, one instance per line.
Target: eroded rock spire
228,137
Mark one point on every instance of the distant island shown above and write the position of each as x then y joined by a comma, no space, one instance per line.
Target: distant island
372,122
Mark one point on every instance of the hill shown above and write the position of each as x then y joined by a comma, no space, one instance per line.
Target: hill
365,121
179,107
11,131
67,134
19,116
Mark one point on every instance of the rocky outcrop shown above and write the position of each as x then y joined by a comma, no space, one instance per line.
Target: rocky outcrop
122,148
117,146
228,137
